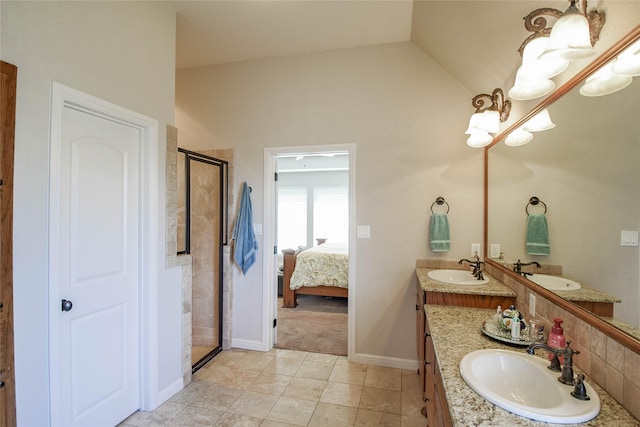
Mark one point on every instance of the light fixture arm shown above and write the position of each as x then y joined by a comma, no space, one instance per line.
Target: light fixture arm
536,22
498,103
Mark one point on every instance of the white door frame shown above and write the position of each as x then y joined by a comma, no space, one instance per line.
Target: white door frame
270,288
65,97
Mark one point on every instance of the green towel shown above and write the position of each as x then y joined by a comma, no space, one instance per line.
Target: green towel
537,235
440,232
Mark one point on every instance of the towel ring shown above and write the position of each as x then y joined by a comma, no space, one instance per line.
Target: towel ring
440,201
535,201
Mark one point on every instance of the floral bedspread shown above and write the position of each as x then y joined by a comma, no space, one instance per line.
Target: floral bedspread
326,264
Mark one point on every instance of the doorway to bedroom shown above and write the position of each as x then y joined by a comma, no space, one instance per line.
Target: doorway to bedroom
312,221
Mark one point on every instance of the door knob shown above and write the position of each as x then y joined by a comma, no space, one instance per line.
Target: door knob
66,305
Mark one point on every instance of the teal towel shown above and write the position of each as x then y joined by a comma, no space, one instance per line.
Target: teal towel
440,241
537,235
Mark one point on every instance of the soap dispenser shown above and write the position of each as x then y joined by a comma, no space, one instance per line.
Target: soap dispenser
556,338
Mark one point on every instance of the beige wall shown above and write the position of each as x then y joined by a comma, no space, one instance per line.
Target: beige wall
123,52
407,117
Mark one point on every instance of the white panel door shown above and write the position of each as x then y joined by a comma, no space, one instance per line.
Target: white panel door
98,269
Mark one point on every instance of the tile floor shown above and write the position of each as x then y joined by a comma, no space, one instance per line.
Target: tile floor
290,388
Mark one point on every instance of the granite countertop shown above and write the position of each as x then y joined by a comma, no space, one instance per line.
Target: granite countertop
494,287
456,331
585,293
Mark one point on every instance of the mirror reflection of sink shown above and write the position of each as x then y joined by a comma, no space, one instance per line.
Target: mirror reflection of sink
522,384
456,277
554,283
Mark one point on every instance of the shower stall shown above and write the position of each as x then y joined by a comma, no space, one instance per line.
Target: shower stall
202,228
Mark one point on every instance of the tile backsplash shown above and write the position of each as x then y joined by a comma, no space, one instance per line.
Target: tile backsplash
606,361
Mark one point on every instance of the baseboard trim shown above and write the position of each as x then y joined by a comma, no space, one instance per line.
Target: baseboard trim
388,362
247,344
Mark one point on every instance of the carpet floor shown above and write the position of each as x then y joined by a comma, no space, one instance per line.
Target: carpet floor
318,324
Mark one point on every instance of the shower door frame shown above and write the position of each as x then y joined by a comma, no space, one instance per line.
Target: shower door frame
223,176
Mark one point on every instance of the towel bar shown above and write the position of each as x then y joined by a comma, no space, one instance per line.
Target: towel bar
440,201
535,201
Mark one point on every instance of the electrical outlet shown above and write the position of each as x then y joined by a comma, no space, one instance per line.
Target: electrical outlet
495,250
475,249
532,305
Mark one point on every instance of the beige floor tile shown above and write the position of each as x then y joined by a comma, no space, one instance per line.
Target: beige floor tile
252,404
381,400
293,411
236,420
342,394
254,361
226,358
304,388
292,354
327,414
410,381
314,370
165,413
193,416
270,383
407,421
322,358
367,418
348,375
283,366
386,378
412,404
207,395
269,423
231,377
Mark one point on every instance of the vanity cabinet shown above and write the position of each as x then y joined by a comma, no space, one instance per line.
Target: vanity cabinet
436,408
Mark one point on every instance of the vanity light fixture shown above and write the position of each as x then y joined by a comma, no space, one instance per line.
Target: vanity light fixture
616,75
575,33
486,120
605,81
547,52
628,62
533,78
523,135
541,121
518,137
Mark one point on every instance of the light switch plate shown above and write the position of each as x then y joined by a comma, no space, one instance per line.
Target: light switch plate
364,232
475,249
495,250
629,238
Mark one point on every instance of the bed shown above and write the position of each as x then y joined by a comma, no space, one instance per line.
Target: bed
321,270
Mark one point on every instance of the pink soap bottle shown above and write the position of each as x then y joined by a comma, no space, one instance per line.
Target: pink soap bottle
556,338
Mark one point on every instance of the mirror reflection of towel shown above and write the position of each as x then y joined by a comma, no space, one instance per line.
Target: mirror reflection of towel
537,235
243,234
440,240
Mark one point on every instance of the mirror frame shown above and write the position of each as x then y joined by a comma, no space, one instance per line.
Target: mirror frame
580,312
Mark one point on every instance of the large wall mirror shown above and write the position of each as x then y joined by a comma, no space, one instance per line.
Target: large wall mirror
587,172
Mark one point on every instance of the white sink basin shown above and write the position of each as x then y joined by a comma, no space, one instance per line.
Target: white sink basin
522,384
554,283
455,277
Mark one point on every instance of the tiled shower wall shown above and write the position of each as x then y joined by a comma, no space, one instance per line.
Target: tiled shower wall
186,261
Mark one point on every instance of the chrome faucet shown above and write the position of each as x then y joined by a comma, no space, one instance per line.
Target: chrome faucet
477,266
567,366
517,267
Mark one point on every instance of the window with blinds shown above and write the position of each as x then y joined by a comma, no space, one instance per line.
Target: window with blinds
292,217
331,213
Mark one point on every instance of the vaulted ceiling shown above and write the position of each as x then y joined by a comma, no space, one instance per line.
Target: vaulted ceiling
474,40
